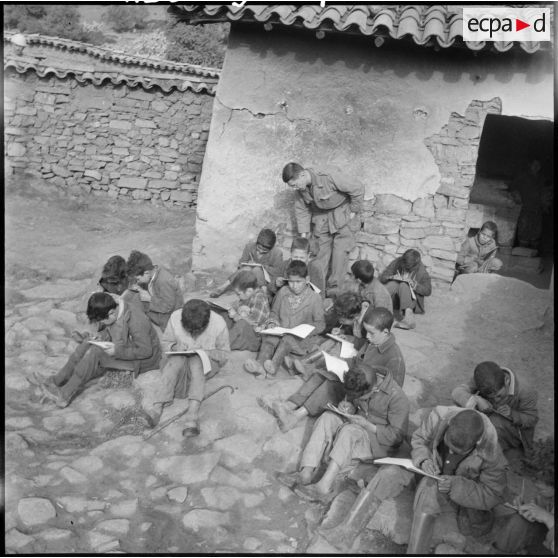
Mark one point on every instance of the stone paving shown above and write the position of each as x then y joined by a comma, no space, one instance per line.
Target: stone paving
83,479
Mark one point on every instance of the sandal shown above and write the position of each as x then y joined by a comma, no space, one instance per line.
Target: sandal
269,368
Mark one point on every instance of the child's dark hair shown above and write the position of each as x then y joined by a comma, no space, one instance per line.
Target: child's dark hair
489,378
291,170
138,263
464,430
355,380
296,268
99,305
410,259
363,270
300,243
114,275
491,226
379,317
266,238
195,316
244,280
348,305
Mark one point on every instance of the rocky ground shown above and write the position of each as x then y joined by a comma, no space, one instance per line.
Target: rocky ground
84,479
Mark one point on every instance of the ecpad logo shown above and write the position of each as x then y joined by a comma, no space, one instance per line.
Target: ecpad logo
506,24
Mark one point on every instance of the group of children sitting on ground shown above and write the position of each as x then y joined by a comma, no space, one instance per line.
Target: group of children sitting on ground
140,317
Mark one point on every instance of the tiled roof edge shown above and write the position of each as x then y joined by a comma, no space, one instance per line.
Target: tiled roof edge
113,56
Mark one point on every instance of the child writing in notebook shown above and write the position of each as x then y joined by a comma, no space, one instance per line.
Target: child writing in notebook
247,317
295,304
262,252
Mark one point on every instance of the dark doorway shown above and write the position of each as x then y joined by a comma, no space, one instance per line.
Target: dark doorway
510,187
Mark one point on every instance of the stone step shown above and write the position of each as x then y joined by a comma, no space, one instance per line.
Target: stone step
524,252
523,263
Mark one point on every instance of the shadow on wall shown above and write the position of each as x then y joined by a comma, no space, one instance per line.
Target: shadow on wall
401,57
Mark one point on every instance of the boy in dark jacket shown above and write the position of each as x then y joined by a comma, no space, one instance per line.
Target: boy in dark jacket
158,289
460,446
131,344
495,391
258,256
408,283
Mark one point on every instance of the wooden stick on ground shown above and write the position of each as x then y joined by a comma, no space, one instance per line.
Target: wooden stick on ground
163,425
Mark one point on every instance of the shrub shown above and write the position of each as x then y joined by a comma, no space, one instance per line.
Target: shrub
200,44
126,18
53,20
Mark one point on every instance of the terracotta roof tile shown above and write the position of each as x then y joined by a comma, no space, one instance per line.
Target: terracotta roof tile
423,23
87,63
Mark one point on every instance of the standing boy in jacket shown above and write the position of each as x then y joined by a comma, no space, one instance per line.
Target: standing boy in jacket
325,205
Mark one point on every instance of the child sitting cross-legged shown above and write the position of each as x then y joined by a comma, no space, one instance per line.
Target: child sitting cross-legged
295,304
262,252
157,287
132,344
249,315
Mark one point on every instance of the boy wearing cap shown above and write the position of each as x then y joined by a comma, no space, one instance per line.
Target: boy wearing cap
264,252
460,446
157,287
495,391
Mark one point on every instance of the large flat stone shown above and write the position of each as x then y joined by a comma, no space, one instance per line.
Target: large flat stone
88,464
78,504
205,519
58,290
188,469
118,526
35,511
238,449
126,508
16,539
220,497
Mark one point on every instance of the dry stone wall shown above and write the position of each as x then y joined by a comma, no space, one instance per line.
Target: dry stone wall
108,140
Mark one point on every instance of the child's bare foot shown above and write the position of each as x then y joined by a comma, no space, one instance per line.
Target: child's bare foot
269,367
254,367
285,417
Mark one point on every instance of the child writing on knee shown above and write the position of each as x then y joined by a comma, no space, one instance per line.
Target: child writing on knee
369,286
408,283
495,391
249,315
193,327
295,304
264,252
379,350
132,344
158,289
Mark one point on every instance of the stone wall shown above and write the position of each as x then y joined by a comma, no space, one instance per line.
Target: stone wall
406,121
108,140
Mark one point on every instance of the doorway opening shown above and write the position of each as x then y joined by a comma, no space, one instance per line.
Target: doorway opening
514,188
